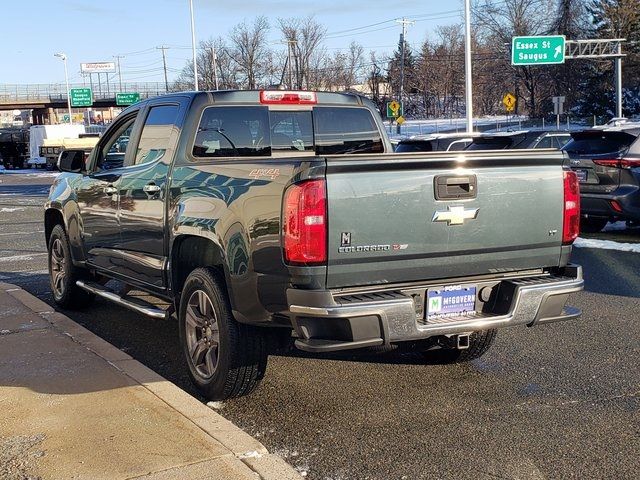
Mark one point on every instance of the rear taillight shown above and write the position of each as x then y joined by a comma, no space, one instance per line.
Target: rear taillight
571,223
626,163
305,223
288,97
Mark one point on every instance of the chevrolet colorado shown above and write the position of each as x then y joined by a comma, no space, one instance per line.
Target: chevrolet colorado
264,216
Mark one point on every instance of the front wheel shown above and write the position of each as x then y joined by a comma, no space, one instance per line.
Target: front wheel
479,344
63,274
226,359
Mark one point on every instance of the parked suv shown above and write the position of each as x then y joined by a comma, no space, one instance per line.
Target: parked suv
607,162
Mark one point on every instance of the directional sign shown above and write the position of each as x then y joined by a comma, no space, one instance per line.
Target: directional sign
127,98
394,109
509,101
81,97
558,105
541,50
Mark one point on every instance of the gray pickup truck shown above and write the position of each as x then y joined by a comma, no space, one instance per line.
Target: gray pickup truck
262,218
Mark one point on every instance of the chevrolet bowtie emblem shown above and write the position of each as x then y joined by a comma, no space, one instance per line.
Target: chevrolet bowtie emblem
455,215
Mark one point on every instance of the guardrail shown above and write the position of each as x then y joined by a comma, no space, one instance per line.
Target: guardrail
10,93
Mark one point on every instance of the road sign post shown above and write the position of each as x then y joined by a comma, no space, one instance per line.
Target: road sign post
81,97
558,109
127,98
509,102
539,50
394,109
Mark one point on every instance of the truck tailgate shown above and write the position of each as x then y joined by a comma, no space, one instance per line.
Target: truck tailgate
496,212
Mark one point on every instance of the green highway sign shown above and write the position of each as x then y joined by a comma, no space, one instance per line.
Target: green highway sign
541,50
127,98
81,97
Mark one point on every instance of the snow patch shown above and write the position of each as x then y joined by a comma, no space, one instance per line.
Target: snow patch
9,210
216,405
607,245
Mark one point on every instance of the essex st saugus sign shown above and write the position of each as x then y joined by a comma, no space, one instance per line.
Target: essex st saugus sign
540,50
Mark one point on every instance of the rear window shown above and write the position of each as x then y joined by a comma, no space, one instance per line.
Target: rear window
241,131
598,143
345,130
233,132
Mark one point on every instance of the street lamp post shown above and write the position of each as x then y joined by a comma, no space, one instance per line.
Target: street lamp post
467,65
63,57
193,47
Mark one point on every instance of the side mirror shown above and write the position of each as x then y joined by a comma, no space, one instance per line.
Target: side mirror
71,161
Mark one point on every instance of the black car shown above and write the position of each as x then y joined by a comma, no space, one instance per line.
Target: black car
443,142
520,140
607,162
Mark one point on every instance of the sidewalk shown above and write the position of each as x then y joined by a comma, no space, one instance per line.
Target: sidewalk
74,406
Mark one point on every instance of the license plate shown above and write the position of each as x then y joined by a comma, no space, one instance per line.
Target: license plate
450,301
582,175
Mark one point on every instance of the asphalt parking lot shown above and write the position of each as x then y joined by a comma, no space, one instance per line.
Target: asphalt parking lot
560,401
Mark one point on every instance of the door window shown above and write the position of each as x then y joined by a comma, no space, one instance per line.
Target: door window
158,134
113,153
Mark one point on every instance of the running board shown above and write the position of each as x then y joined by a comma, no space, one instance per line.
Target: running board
148,309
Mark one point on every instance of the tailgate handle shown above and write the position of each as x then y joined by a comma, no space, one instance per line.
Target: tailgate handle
455,187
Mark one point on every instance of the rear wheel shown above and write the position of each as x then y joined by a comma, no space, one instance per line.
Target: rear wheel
479,344
226,359
592,225
63,274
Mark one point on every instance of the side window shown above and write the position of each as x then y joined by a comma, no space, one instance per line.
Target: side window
291,130
114,151
546,142
233,132
158,134
341,130
561,141
459,145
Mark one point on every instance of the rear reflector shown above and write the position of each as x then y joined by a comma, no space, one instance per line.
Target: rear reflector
571,223
305,223
626,163
283,97
616,206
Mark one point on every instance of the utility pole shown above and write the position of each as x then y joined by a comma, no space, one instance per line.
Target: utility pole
404,24
63,57
214,61
619,82
467,65
164,64
118,57
193,49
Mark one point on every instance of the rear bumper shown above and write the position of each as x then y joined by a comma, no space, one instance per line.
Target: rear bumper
326,322
599,205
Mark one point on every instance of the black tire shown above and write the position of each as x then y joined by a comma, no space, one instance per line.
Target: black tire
241,351
63,274
479,344
592,225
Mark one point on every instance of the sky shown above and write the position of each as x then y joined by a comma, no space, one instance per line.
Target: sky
95,31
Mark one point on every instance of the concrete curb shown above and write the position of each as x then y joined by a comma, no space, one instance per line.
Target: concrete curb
242,445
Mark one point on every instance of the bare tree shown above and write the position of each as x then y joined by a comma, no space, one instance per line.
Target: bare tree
226,68
498,23
249,50
304,36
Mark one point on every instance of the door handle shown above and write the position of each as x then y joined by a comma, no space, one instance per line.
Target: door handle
151,188
110,190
